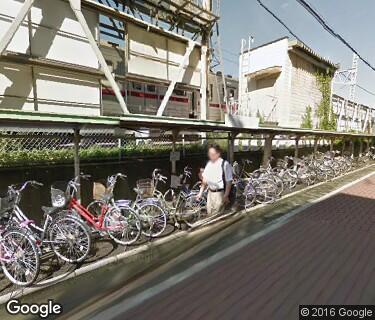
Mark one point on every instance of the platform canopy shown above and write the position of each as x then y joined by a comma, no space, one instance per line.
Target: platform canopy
13,118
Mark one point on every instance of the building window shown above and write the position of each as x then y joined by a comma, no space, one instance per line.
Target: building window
179,92
151,88
211,91
137,86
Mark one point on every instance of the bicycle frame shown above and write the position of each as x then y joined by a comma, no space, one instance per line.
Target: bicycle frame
38,234
97,222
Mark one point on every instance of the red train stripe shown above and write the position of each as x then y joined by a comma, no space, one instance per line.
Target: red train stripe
109,92
217,105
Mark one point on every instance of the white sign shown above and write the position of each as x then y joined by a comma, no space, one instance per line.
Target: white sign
175,156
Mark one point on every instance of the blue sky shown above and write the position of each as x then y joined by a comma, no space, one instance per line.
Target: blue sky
353,19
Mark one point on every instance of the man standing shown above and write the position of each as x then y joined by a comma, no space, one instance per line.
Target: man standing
218,176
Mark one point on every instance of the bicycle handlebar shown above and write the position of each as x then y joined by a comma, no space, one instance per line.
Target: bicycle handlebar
16,192
111,180
33,183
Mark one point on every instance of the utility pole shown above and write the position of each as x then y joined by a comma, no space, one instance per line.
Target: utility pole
205,58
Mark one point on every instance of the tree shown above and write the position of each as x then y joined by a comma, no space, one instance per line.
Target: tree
307,121
327,120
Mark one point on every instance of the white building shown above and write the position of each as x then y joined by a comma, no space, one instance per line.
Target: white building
278,81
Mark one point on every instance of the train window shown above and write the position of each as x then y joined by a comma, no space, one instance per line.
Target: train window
137,86
110,65
151,88
178,92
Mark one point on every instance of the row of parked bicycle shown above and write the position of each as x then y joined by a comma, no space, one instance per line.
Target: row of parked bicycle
67,226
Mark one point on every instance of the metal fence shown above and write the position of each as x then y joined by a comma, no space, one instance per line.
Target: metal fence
33,146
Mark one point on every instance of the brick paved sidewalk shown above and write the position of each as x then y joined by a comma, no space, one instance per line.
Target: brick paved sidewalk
322,256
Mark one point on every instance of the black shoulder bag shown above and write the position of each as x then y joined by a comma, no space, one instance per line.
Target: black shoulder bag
233,190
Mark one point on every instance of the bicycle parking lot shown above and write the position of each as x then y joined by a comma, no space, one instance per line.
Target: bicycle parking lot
120,227
228,231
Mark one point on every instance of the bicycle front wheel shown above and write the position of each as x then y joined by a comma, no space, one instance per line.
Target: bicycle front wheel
191,209
70,239
122,225
153,218
19,258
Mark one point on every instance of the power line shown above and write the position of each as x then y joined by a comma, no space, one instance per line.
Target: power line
325,25
366,90
230,52
231,61
278,19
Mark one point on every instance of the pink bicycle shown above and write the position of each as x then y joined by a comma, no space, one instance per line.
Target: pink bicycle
19,256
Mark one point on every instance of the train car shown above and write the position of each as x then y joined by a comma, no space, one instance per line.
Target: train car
216,105
144,96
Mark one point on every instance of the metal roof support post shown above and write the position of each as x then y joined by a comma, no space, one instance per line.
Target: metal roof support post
352,147
331,144
267,150
343,146
360,146
231,138
77,169
367,145
296,146
316,144
174,161
76,7
8,36
180,75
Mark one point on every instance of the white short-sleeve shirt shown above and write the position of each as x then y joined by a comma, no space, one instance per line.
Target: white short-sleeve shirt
213,174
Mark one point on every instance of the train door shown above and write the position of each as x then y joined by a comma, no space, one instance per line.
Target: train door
151,99
136,97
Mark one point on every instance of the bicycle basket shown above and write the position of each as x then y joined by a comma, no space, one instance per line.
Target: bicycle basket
58,197
145,187
100,191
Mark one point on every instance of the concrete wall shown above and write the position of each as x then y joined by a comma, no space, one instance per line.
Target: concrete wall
304,89
54,34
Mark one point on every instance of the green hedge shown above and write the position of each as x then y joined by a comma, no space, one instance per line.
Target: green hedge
37,157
